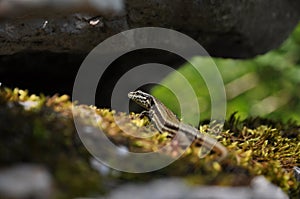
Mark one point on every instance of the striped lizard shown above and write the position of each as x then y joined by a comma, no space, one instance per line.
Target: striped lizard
166,121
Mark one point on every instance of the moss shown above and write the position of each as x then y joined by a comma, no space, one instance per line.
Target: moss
43,132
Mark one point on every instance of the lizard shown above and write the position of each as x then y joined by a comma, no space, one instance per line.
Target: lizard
166,121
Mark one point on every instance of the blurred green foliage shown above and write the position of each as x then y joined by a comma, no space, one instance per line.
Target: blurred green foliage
266,85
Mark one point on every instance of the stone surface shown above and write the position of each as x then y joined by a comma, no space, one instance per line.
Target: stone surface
25,181
20,8
230,28
178,188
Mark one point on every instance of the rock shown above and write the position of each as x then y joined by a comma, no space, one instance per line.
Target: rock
263,189
178,188
20,8
229,28
25,181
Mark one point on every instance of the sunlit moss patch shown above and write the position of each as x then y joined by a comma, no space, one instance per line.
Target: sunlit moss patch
40,129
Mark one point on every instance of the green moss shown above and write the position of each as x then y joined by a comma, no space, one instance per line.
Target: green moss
45,134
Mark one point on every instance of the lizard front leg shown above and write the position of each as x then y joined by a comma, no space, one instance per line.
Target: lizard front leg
144,114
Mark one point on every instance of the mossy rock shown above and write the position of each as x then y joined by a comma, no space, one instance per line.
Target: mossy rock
39,129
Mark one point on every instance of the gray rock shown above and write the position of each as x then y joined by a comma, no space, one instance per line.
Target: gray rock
25,181
21,8
227,28
175,188
263,189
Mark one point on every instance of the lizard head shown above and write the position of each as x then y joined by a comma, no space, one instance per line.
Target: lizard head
141,98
